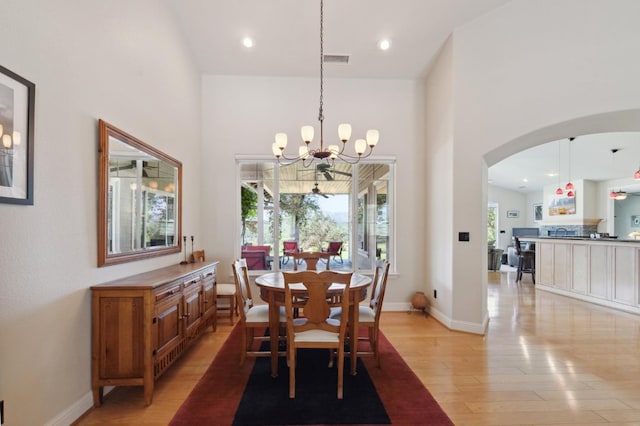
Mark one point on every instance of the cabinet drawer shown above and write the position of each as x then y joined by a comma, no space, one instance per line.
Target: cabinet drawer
187,284
168,292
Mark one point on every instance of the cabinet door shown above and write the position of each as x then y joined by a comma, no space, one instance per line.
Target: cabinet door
209,294
544,263
624,275
168,319
193,305
599,271
561,266
580,268
121,329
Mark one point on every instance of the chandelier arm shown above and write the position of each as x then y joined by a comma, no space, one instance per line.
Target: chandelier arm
369,152
353,159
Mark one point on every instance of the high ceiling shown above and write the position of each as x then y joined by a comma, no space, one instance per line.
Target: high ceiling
287,35
590,158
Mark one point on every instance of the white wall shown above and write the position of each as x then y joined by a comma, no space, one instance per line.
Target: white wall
241,116
121,61
439,238
526,74
508,200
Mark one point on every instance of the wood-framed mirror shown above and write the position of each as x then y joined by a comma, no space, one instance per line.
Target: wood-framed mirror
139,199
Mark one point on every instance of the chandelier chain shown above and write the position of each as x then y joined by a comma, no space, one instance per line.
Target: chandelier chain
320,112
306,153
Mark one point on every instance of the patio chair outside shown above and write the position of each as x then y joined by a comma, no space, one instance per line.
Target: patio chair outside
288,249
335,250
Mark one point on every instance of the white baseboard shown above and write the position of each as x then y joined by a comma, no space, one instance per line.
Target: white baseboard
76,410
467,327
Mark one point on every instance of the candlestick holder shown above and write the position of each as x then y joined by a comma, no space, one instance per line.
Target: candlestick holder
192,258
184,239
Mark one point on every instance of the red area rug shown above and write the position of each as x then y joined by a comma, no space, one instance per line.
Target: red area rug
216,399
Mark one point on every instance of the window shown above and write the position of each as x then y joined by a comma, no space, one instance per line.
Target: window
348,205
492,225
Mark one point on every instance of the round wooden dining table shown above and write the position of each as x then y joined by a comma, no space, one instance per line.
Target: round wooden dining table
271,287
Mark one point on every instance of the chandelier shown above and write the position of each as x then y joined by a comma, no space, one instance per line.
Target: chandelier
330,153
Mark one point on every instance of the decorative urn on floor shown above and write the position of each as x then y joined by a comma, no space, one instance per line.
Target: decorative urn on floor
419,301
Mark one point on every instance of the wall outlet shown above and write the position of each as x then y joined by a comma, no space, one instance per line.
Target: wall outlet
435,294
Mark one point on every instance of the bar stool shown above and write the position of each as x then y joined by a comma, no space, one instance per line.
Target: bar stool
526,262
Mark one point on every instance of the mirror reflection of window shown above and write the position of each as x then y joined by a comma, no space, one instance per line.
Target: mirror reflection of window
139,199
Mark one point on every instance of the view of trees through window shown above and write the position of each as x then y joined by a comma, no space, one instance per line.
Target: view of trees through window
313,207
492,224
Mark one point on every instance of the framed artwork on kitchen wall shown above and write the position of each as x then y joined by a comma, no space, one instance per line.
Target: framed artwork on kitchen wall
562,205
537,212
17,106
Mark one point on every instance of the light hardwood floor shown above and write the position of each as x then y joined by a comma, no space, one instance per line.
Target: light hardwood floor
545,359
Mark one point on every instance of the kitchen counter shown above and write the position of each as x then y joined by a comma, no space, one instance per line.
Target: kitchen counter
582,238
597,270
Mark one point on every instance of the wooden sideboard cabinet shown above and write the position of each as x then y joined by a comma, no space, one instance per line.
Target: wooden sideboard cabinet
142,323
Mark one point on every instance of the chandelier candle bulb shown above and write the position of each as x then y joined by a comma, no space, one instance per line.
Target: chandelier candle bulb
344,132
6,141
372,137
281,140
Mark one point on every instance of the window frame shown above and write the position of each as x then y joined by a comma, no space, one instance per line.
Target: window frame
371,205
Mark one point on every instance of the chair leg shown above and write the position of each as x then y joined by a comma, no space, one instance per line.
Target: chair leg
292,373
243,351
374,345
340,371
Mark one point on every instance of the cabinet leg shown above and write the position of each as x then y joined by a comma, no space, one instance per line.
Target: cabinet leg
97,396
148,394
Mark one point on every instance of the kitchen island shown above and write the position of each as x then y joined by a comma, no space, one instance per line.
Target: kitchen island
602,271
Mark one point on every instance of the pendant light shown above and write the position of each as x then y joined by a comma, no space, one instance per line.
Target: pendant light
559,191
569,185
620,194
636,175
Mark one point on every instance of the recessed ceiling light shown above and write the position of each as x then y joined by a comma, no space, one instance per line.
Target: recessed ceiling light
247,42
384,44
552,174
525,180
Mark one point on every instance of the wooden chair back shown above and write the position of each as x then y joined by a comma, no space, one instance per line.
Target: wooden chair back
315,328
197,256
311,258
243,290
379,287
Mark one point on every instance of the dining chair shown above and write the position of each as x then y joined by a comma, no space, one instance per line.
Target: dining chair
311,259
315,329
253,318
224,291
369,316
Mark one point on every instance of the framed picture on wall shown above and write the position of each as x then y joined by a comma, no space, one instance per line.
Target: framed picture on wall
17,98
513,213
537,212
